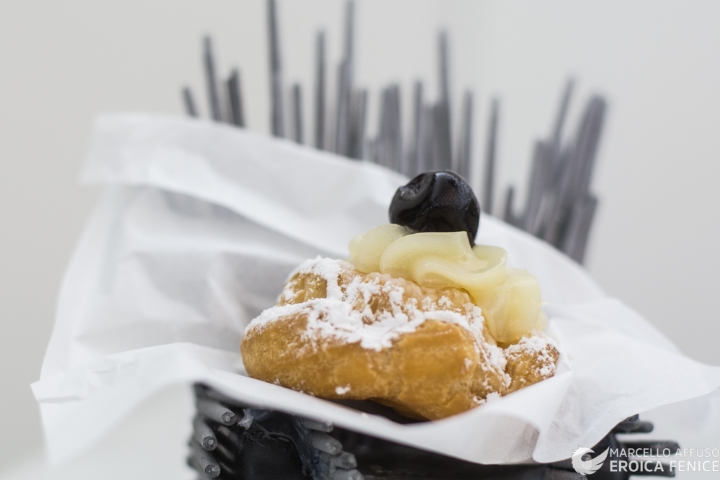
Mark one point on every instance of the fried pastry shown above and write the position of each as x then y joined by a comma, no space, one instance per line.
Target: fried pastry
340,333
420,318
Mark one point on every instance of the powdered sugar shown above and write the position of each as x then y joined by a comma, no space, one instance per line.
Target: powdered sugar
375,309
536,345
338,316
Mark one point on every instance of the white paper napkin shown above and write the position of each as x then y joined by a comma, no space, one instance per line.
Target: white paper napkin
198,230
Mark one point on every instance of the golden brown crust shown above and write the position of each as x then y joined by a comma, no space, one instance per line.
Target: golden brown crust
424,371
423,367
530,361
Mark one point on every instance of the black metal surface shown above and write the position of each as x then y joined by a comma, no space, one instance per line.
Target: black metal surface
268,445
262,444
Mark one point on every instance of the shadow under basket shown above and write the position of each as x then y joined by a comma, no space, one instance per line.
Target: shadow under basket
232,441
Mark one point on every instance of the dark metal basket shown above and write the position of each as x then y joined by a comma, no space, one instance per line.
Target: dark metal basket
232,441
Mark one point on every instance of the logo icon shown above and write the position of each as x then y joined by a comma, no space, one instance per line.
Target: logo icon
587,467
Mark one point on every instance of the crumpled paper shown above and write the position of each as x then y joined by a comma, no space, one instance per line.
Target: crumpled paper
199,227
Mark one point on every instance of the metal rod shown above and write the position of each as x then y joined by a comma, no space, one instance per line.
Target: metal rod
386,130
443,130
426,152
358,109
276,88
320,91
195,465
320,426
577,171
349,65
240,119
395,128
551,195
589,209
203,434
229,109
216,412
539,225
341,474
548,166
442,154
380,145
579,157
557,216
325,443
599,106
578,229
345,85
222,453
189,102
229,96
562,113
342,109
490,154
538,182
232,438
444,67
508,211
464,150
350,41
370,150
227,471
413,151
211,80
344,460
234,92
297,113
203,460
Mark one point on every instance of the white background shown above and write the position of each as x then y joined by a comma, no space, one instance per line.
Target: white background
657,62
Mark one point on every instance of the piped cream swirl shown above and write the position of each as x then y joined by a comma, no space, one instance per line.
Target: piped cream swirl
509,298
